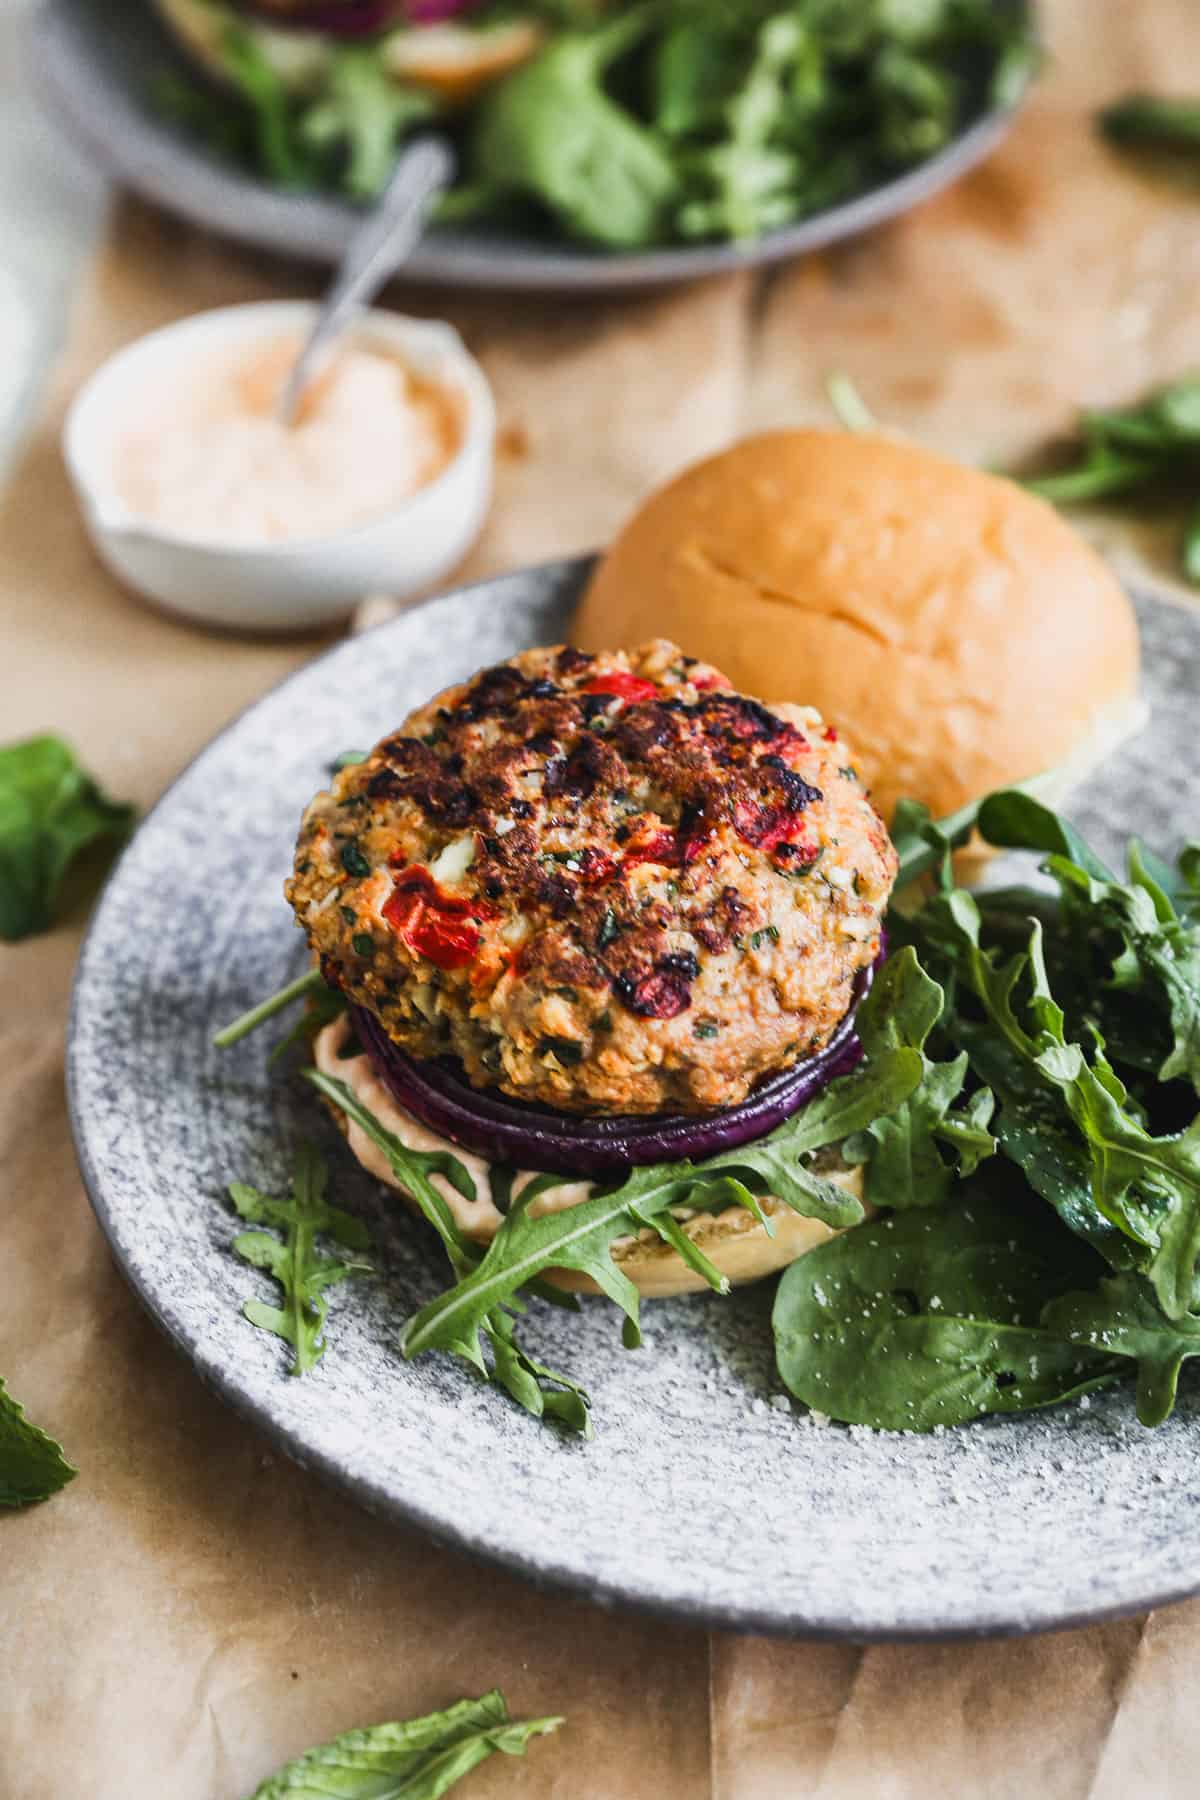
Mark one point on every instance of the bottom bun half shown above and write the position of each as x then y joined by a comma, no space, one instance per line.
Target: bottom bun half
733,1240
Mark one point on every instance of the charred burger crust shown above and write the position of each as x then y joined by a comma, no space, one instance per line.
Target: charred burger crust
635,819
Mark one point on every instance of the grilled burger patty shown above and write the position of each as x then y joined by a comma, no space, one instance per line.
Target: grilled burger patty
603,883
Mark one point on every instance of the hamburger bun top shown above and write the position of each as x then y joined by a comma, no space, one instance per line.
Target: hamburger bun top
961,632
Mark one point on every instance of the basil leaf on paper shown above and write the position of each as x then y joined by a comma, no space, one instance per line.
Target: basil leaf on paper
419,1759
932,1318
50,811
304,1274
32,1465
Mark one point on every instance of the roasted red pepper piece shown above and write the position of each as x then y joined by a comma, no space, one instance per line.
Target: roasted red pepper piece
432,923
622,687
662,848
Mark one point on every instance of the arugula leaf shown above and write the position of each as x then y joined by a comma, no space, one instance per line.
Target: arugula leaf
301,1271
419,1759
1160,952
32,1465
544,1392
904,1166
311,984
1147,1187
582,1236
277,149
1154,443
50,811
1015,819
931,1318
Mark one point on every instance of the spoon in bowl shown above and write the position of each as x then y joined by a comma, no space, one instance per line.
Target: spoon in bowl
384,240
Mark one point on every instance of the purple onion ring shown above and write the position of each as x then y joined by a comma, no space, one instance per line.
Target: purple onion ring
560,1143
366,18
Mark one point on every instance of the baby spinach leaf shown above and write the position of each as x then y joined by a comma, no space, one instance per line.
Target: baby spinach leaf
1120,1318
931,1318
32,1465
417,1760
50,811
293,1259
904,1166
552,131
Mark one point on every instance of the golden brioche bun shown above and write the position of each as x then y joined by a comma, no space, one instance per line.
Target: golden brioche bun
734,1240
957,629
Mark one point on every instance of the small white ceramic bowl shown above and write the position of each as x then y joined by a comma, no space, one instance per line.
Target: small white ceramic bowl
294,584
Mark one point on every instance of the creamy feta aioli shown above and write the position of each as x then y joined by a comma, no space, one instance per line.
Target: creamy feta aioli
206,457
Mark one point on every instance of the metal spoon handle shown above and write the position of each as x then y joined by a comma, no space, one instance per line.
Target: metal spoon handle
384,240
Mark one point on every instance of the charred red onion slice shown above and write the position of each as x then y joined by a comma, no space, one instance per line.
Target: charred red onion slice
561,1143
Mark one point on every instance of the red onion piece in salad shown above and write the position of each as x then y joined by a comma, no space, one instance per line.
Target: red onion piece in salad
560,1143
361,18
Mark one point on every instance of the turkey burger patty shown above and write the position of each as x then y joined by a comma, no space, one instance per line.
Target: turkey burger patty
603,883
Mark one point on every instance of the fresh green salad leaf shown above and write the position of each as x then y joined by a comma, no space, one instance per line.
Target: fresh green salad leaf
581,1236
553,132
1153,444
417,1760
310,986
364,114
902,1149
50,811
1120,1318
32,1465
1060,1024
931,1319
1153,120
540,1390
279,151
657,122
304,1274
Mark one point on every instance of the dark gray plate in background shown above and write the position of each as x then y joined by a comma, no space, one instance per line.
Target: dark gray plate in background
705,1494
96,61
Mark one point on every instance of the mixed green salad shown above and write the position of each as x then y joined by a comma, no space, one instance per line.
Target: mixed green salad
1027,1122
620,125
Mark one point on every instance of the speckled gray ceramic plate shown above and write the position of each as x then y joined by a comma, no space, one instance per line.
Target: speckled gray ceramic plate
704,1493
97,60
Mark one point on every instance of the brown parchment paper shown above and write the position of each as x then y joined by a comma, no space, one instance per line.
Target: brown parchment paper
194,1609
